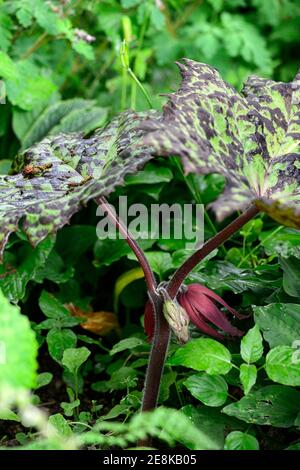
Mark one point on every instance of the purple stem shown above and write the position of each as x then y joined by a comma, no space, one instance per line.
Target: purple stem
149,276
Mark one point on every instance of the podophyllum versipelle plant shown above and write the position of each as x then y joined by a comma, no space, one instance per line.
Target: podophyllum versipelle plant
252,139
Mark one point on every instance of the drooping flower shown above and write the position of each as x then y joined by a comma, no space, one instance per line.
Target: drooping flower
200,306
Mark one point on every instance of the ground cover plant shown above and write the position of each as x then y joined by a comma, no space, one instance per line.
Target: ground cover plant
94,330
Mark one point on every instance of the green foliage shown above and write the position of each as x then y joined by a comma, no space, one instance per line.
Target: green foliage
74,358
203,354
238,440
56,78
168,424
251,345
209,389
61,116
273,405
19,347
283,365
280,323
248,376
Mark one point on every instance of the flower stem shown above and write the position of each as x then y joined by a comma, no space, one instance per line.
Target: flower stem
161,337
213,243
159,349
149,276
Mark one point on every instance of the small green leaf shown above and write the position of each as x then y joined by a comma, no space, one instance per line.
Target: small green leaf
237,440
69,407
8,69
212,390
128,343
117,410
52,307
274,405
203,354
248,375
74,358
58,340
9,415
151,174
31,260
61,425
43,379
283,365
252,345
167,380
159,261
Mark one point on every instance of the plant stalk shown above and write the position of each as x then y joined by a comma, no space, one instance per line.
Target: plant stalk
149,276
161,337
158,353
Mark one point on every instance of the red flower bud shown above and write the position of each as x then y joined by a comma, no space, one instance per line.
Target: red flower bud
199,302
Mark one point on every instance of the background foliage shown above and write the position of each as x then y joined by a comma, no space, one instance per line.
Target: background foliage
61,70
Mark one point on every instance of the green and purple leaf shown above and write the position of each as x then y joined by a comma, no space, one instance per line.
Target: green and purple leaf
59,175
252,138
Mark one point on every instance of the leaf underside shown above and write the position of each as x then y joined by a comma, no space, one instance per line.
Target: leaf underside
59,175
252,138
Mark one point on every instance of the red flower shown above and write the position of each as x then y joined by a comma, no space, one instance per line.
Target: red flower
199,302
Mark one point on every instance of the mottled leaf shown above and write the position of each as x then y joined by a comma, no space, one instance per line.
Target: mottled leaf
60,174
251,138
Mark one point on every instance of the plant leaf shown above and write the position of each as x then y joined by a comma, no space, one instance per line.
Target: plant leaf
248,375
211,390
59,340
238,440
73,358
279,323
283,365
60,174
274,405
252,345
251,138
203,354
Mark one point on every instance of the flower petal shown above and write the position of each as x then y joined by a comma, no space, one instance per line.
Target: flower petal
198,288
198,319
210,311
